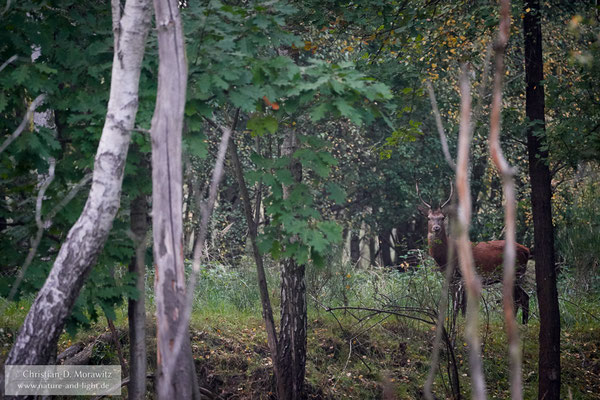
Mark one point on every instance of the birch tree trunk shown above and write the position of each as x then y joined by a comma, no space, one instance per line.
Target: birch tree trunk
167,125
293,324
44,323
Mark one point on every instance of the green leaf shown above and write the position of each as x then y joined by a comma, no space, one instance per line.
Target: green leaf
284,176
259,125
319,111
336,193
331,230
220,83
196,145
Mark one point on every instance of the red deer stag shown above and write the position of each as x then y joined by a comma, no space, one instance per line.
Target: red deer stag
488,256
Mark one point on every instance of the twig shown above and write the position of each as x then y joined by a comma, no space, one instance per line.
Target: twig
440,126
465,254
117,343
507,172
579,307
34,104
72,193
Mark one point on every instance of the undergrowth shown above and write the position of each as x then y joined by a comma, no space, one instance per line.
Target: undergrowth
370,332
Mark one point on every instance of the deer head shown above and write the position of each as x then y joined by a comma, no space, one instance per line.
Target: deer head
436,228
435,216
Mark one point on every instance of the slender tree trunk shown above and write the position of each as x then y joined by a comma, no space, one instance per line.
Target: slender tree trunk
293,324
166,131
372,251
44,323
137,308
541,195
354,247
385,248
267,310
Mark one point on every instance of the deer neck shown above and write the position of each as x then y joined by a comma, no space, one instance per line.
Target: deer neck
438,248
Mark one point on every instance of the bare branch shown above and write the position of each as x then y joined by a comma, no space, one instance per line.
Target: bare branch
40,231
34,104
6,7
440,126
206,212
507,173
45,223
5,64
465,254
72,193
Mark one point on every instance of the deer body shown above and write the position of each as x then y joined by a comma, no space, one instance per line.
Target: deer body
487,256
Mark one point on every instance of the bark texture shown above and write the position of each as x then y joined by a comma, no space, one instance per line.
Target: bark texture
137,308
541,196
44,323
293,324
166,131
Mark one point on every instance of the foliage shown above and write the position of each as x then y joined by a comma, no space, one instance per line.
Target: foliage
297,229
68,57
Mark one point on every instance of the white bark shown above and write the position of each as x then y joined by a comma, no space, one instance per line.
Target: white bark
45,320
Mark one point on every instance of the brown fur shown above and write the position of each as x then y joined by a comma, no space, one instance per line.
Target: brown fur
488,257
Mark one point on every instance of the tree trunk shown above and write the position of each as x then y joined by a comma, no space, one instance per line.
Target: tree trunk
267,310
385,248
166,131
541,195
372,251
293,325
137,308
45,321
354,247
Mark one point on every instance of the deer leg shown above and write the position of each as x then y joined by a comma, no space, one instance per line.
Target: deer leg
521,299
462,293
524,305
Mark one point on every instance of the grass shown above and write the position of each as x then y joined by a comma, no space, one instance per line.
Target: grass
351,353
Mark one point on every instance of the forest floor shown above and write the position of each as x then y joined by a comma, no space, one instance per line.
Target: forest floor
380,357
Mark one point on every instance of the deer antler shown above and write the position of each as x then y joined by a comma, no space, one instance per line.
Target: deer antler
419,194
449,197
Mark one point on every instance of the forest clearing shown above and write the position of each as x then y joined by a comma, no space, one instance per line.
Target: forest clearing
300,199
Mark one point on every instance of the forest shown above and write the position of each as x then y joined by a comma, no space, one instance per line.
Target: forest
282,199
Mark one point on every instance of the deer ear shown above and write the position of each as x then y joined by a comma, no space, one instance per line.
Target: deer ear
423,210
